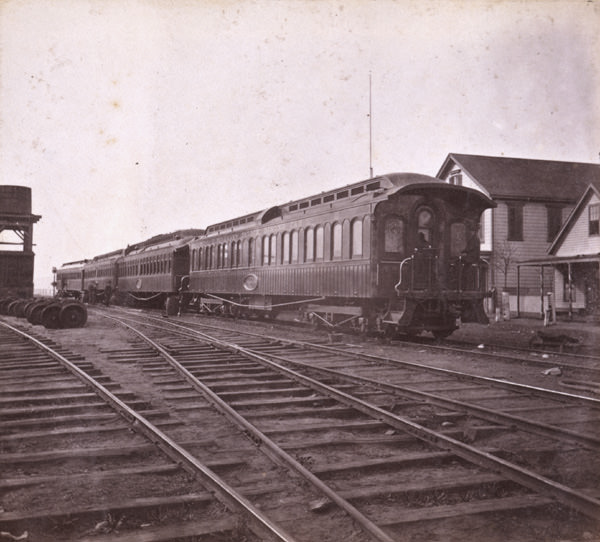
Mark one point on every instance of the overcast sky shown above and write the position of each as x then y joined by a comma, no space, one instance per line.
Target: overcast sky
130,118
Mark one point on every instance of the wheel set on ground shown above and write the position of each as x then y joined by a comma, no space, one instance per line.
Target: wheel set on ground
51,313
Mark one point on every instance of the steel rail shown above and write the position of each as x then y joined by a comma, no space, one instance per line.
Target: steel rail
495,382
258,522
568,496
275,451
488,414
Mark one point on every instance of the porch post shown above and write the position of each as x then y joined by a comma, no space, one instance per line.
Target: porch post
542,290
570,283
518,291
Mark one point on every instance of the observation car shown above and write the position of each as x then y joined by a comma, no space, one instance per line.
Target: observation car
385,254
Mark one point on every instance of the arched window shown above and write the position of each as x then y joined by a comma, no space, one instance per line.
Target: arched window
319,248
273,250
265,250
309,244
225,261
199,262
250,252
394,236
285,248
336,241
356,238
294,247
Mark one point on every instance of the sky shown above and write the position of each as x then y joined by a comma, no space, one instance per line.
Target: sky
130,118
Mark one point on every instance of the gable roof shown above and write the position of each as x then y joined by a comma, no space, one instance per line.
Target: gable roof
593,188
524,178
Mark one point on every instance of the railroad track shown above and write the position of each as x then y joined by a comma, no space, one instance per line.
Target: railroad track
84,459
394,439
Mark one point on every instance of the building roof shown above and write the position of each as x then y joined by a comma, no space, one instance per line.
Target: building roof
524,178
592,188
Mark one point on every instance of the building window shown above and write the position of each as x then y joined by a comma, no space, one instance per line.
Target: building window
336,241
456,177
554,222
594,219
356,243
515,222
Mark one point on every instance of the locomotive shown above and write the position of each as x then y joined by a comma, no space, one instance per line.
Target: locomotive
394,253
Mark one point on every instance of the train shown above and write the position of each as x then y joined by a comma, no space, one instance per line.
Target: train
396,253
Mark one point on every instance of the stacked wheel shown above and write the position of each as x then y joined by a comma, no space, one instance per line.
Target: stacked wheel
72,315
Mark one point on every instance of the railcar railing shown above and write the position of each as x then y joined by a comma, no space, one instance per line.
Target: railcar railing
423,271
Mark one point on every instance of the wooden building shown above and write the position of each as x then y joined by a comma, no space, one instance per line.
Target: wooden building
574,257
535,198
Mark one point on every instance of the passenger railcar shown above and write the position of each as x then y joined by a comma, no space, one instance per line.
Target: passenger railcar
100,276
69,279
153,273
385,254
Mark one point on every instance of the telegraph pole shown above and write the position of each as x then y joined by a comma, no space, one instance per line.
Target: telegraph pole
370,133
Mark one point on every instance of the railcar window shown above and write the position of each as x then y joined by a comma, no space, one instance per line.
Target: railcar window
285,248
425,224
373,186
225,256
329,198
336,241
357,190
393,236
319,246
342,194
238,253
250,252
294,246
356,242
309,245
265,250
293,207
316,201
233,254
273,250
304,205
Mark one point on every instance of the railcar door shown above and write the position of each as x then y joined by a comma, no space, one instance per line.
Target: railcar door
181,265
392,243
425,244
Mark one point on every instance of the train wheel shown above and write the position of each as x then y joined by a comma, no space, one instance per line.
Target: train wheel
35,313
73,315
51,316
